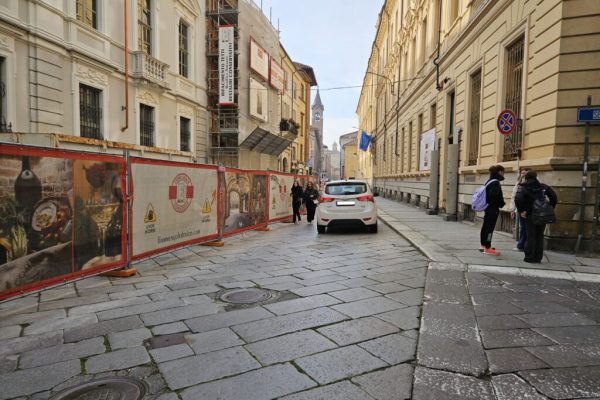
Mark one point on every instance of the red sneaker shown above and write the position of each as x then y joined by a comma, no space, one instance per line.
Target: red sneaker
492,251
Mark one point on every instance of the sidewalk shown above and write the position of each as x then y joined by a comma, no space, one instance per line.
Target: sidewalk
457,242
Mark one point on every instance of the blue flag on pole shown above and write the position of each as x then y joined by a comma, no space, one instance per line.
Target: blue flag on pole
365,140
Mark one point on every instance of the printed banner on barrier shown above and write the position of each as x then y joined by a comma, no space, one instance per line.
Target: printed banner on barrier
280,203
173,204
61,216
245,200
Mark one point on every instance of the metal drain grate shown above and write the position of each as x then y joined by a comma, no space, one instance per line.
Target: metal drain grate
113,388
245,296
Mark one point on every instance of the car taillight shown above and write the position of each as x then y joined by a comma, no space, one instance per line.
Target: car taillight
366,198
325,199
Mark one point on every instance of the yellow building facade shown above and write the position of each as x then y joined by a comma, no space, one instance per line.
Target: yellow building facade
439,75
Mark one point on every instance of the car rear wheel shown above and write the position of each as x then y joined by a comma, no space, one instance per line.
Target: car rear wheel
372,228
320,228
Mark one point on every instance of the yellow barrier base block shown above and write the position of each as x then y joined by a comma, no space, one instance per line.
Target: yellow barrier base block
122,273
263,229
216,243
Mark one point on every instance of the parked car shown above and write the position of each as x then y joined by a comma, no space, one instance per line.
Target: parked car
348,203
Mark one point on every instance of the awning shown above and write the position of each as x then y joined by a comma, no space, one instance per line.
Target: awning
263,141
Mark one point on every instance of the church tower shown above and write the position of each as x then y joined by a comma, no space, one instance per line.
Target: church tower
317,127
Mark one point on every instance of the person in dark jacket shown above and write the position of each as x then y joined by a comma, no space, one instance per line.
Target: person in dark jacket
495,200
528,192
311,195
297,196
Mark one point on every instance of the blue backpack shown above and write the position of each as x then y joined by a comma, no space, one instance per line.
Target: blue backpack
479,201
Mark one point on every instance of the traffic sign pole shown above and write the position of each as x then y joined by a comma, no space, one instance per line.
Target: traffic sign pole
586,150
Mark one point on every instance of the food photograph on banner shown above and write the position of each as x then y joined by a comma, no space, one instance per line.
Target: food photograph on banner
245,200
174,204
281,201
427,145
258,100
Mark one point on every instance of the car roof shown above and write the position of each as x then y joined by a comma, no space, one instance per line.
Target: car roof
345,181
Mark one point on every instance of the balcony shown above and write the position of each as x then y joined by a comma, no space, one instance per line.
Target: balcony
289,126
149,68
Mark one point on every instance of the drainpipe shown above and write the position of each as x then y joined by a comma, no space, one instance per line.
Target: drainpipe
126,32
436,61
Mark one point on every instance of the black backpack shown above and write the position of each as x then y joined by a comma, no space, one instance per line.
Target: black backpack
542,212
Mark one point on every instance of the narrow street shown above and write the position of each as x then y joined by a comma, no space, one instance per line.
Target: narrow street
342,322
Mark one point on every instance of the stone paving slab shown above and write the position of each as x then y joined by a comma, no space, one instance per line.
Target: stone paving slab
178,314
513,338
431,384
30,381
344,390
219,339
393,349
138,309
169,353
29,317
578,355
511,387
289,347
227,319
263,384
512,360
10,332
318,289
302,304
116,360
334,365
131,338
405,318
565,383
357,330
571,334
193,370
62,352
25,343
393,383
271,327
102,328
367,307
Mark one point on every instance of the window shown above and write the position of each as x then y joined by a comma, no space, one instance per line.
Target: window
410,145
184,134
4,124
419,133
423,55
183,49
146,125
433,116
413,58
451,108
402,158
514,95
87,12
475,116
301,152
145,26
90,112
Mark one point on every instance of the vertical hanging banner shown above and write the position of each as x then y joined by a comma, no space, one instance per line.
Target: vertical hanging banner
245,201
259,60
61,217
280,200
276,75
226,65
175,204
426,147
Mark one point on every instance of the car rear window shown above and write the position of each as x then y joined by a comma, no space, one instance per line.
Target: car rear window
344,188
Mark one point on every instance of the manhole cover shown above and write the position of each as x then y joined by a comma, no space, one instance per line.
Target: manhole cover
114,388
245,296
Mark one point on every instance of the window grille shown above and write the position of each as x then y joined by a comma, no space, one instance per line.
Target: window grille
146,125
183,49
514,96
87,12
475,114
145,26
184,134
90,112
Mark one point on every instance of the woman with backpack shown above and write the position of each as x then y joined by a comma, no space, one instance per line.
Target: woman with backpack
495,201
531,205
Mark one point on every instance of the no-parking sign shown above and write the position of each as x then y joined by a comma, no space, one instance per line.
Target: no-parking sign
506,122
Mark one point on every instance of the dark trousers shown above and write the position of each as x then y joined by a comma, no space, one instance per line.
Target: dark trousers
489,224
296,208
522,233
534,246
311,207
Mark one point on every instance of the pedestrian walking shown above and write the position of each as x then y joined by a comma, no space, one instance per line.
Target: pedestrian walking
532,206
311,199
297,196
522,233
495,201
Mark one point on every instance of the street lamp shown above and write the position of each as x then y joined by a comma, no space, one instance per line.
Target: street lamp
384,77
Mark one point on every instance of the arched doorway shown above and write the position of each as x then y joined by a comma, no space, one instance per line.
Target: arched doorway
285,165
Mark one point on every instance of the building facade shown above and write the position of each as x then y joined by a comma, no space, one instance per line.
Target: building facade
348,155
316,146
439,75
102,71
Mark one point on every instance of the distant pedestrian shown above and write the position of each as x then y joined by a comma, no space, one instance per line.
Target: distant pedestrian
297,196
522,234
495,201
525,200
311,199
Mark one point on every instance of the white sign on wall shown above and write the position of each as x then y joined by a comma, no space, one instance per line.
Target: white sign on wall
259,59
277,76
259,95
427,145
226,65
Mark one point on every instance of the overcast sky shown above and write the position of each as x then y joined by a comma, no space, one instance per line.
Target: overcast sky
334,37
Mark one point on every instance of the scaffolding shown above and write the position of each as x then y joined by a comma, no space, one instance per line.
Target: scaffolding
224,121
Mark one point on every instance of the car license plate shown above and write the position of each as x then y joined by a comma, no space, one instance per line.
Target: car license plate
345,203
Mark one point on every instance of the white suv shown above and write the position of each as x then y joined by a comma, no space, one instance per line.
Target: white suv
347,203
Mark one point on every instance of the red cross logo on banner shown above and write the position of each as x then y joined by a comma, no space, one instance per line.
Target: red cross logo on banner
506,122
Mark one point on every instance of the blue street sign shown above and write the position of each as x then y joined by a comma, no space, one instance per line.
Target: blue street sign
588,114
